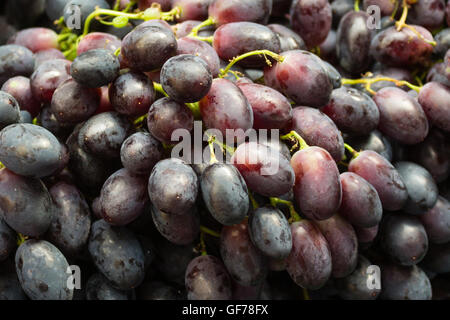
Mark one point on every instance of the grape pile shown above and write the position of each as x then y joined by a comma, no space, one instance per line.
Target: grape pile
333,181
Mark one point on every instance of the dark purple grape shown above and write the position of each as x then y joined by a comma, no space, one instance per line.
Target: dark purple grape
148,48
366,235
437,74
265,170
422,190
7,240
201,49
9,110
353,42
99,288
41,269
132,94
437,259
192,9
382,175
165,116
30,150
306,86
374,141
442,39
186,78
334,75
406,122
226,107
404,239
123,197
404,283
225,193
242,259
234,39
54,8
352,111
47,77
95,68
328,47
318,130
270,232
354,286
10,288
117,254
15,60
434,98
386,6
48,120
20,88
437,221
207,279
71,223
226,11
156,290
311,19
289,40
103,134
271,110
317,189
427,13
309,263
140,152
72,103
401,48
173,186
98,40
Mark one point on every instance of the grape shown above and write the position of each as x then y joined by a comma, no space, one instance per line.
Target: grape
437,259
20,88
178,229
405,123
434,99
148,48
354,286
186,78
382,175
437,74
271,110
404,239
236,38
311,20
72,103
173,186
183,29
289,40
227,11
117,254
192,9
71,224
30,150
165,116
46,55
85,7
132,94
123,197
353,42
156,290
54,8
7,242
422,190
361,205
35,39
242,259
318,130
188,45
352,111
277,145
47,77
207,279
15,60
9,110
41,269
309,263
265,170
437,221
98,40
374,141
442,39
306,86
328,47
98,288
225,193
333,74
401,48
404,283
165,4
103,134
154,22
48,120
140,152
270,232
427,13
10,288
226,107
25,117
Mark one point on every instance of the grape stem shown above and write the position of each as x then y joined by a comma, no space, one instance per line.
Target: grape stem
255,204
299,141
223,146
294,215
210,232
265,53
203,245
353,152
117,52
21,239
1,165
306,294
356,7
369,81
196,29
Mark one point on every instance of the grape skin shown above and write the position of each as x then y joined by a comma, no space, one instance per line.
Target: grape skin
437,221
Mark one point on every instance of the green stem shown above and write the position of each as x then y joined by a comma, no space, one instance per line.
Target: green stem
353,152
196,29
264,53
294,215
253,201
210,232
203,245
223,146
356,8
21,239
299,141
369,81
158,88
117,52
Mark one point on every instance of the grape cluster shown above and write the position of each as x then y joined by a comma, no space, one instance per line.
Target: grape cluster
336,175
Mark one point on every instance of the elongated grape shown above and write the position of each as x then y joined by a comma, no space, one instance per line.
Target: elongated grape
427,13
99,288
188,45
15,60
7,240
226,11
289,40
309,263
47,77
9,110
437,221
192,9
20,88
434,99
